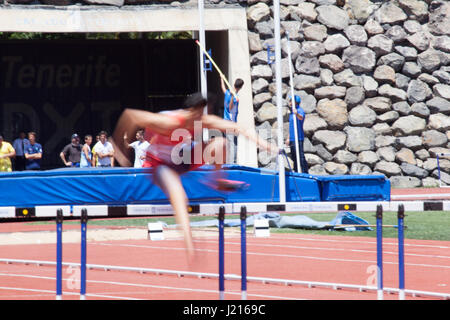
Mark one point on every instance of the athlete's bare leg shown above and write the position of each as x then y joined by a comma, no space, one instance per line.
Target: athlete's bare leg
170,182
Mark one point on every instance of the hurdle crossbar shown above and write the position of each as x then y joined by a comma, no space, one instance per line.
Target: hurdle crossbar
179,273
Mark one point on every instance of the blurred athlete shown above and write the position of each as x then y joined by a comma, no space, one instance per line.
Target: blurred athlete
174,150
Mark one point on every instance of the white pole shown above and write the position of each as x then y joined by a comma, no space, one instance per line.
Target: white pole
203,82
291,83
276,18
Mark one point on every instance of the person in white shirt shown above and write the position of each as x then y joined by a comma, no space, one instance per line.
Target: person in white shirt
140,147
104,151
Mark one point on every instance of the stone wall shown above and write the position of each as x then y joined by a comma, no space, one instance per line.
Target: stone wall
374,78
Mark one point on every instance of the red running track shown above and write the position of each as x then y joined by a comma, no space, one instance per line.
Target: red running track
334,259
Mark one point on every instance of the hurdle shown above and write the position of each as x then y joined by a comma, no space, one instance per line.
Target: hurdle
221,275
59,258
401,252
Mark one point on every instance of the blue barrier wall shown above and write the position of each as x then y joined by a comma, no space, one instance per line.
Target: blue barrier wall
121,186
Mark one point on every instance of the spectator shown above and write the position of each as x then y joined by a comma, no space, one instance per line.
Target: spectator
6,153
19,145
33,153
71,154
140,147
94,155
230,112
86,153
299,114
104,151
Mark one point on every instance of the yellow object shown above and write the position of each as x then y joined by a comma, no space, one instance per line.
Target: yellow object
5,163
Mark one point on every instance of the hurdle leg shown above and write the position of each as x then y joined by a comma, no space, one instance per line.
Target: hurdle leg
379,217
243,217
59,222
401,253
221,254
84,219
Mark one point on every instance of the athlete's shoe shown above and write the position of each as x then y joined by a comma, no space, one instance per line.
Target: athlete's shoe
231,185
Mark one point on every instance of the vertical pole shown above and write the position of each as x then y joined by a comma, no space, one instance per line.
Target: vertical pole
243,253
221,254
276,18
291,83
401,253
379,217
59,222
84,218
203,80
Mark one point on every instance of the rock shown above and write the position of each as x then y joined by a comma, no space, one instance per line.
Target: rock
422,154
305,82
438,151
267,112
345,157
409,125
259,85
384,141
380,44
429,182
354,96
428,79
359,59
260,98
308,146
264,130
420,110
386,153
384,74
360,169
388,117
307,65
389,13
396,34
284,68
308,103
418,91
412,170
378,104
410,142
434,138
417,10
402,81
336,168
442,90
411,69
368,157
315,32
347,78
394,60
313,123
361,9
388,168
259,58
294,47
330,92
326,76
404,182
383,128
294,30
254,42
336,43
312,159
334,112
412,26
264,29
402,108
442,76
392,93
332,62
356,35
305,10
409,53
439,121
323,152
442,43
429,60
333,17
439,18
261,71
258,12
420,40
372,27
362,116
370,86
360,139
438,104
333,140
311,49
406,156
